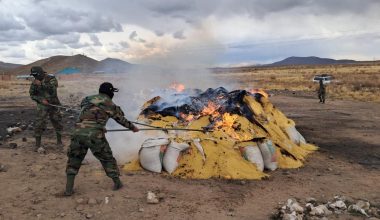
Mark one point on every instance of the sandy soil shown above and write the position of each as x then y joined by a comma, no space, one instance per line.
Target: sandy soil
348,163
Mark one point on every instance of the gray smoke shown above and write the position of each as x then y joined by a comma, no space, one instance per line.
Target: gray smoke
187,65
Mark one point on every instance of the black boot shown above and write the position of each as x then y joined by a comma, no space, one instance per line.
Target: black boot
69,185
117,183
38,143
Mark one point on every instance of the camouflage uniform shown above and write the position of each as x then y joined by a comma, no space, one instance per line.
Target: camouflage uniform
89,134
47,90
322,92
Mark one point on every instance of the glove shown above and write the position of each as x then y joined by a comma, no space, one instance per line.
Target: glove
37,82
135,129
45,102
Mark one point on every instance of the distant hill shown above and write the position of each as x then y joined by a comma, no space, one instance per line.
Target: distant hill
7,66
111,65
310,61
81,63
57,63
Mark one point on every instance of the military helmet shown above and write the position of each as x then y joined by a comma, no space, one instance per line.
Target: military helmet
108,89
36,70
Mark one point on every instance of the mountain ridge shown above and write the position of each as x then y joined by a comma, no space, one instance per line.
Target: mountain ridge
84,64
311,60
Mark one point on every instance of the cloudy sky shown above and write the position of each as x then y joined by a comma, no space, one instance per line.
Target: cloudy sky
215,32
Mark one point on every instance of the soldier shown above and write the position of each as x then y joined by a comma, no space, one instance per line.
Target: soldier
321,92
89,133
43,91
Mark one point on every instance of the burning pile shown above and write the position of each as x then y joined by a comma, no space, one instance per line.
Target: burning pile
244,134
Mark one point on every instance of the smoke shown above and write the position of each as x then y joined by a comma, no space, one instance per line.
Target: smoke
187,63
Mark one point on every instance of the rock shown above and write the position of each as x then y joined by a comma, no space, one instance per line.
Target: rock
89,215
41,150
85,162
24,139
92,201
3,168
230,214
106,200
52,156
62,214
291,216
374,212
309,206
296,207
331,157
23,127
338,205
81,201
357,209
151,198
329,169
311,200
80,208
363,204
320,210
12,130
141,209
36,168
12,145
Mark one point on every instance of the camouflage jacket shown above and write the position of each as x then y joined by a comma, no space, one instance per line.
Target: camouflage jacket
95,112
47,90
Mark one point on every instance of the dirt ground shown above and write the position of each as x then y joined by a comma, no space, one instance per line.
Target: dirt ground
348,163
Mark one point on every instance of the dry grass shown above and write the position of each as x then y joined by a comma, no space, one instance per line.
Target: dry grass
352,82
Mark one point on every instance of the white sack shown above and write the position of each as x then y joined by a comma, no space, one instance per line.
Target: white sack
152,152
294,135
268,153
172,156
253,155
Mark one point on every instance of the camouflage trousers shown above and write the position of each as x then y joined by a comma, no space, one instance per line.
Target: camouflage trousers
43,114
322,96
99,148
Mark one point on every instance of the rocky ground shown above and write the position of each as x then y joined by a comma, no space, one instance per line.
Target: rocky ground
347,166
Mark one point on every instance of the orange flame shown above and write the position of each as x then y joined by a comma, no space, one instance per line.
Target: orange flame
177,87
210,109
186,117
227,121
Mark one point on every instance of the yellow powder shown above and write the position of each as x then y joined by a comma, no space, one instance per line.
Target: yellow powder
223,158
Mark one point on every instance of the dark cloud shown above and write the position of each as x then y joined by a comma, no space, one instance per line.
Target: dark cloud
95,40
8,22
134,37
159,33
179,35
124,44
54,21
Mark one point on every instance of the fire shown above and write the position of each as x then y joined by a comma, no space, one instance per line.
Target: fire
259,91
187,117
177,87
211,109
230,126
227,121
